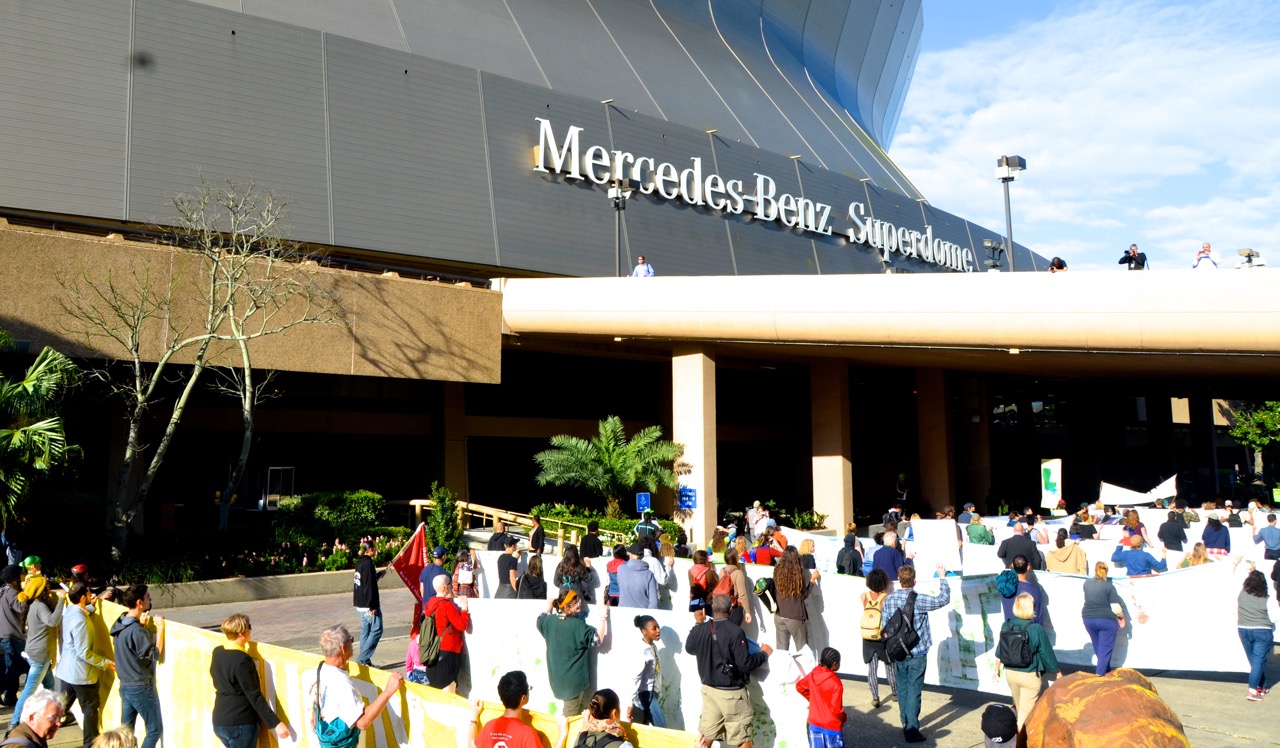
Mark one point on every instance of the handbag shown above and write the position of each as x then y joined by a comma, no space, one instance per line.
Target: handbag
333,733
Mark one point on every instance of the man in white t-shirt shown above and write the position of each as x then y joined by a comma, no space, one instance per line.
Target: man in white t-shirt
339,699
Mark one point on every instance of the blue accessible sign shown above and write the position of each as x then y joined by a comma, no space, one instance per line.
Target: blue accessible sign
688,497
642,502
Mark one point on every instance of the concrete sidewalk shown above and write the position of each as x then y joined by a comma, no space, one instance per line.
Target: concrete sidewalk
1213,708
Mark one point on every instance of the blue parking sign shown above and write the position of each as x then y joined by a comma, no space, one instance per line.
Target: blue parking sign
642,502
688,497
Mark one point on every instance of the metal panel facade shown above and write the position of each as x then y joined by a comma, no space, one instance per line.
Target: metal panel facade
474,33
546,222
677,238
64,82
228,96
407,153
372,21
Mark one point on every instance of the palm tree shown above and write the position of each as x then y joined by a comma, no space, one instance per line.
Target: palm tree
32,442
610,465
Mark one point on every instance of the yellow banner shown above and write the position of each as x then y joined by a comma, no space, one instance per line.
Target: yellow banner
418,717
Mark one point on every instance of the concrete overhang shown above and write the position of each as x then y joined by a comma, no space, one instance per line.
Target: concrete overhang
1091,324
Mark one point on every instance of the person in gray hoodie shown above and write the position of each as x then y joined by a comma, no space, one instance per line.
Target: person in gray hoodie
78,665
136,655
13,616
44,615
637,587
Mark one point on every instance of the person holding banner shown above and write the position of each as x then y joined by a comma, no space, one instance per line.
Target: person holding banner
1136,561
1103,616
1256,631
238,703
1217,539
569,643
1269,536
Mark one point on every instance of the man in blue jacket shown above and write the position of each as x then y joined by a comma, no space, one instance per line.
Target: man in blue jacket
1270,537
136,655
1136,561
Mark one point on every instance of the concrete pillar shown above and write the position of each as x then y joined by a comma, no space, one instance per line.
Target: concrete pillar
1204,452
937,452
693,424
973,448
832,469
455,439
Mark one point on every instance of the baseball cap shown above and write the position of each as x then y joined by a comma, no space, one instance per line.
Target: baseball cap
30,561
1227,503
999,725
637,548
969,506
439,552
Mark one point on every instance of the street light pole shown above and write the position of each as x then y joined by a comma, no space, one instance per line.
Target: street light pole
1007,168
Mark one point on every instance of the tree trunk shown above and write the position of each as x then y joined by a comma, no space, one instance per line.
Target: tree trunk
127,509
247,399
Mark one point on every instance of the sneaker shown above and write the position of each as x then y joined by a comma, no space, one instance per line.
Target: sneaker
1264,690
1254,695
913,735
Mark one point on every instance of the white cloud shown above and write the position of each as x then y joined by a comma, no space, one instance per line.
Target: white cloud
1140,121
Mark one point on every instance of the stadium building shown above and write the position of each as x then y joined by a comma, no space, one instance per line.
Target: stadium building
790,337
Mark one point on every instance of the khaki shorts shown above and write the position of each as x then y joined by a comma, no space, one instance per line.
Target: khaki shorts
726,715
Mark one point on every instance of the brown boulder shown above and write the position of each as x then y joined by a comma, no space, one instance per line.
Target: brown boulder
1121,708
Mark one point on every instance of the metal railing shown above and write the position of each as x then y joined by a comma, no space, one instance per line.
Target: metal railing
473,514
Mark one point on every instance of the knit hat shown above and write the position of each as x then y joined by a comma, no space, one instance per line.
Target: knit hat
999,725
10,574
33,589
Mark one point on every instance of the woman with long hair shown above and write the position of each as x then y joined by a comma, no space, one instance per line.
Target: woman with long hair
873,641
738,584
573,574
702,579
791,621
1197,557
1256,631
532,586
1024,680
1067,557
743,549
719,544
1133,526
1103,616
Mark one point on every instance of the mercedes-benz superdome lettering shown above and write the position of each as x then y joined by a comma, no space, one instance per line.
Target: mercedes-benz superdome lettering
604,166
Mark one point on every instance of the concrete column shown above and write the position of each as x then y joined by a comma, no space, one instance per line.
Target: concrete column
937,452
455,439
693,424
832,469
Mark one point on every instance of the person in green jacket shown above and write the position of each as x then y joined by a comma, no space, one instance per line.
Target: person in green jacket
1024,682
979,534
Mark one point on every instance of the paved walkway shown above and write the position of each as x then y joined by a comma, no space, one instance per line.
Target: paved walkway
1212,707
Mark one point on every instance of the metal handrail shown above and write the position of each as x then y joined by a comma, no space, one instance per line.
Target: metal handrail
489,515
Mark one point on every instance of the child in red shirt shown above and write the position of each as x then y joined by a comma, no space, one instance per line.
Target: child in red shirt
825,692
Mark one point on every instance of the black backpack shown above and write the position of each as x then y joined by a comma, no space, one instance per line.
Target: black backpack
597,740
900,635
849,561
1014,649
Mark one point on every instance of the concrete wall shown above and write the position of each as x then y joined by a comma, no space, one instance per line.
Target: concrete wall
394,327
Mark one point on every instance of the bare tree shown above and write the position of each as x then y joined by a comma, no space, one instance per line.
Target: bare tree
249,282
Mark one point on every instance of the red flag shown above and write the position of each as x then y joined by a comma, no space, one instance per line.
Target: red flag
411,560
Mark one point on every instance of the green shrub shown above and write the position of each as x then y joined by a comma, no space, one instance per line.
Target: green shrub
316,518
340,559
808,520
553,514
443,526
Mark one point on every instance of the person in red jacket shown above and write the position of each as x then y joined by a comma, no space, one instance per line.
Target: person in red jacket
825,692
451,621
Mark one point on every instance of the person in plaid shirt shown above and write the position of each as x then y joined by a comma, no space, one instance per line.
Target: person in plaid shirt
911,670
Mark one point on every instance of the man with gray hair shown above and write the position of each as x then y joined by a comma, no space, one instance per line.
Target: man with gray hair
724,667
342,711
41,716
889,559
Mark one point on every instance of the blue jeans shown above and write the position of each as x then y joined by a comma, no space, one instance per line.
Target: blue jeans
1102,632
910,688
237,736
370,635
1257,647
14,665
144,701
39,674
648,710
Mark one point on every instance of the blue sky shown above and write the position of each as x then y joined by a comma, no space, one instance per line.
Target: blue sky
1149,122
